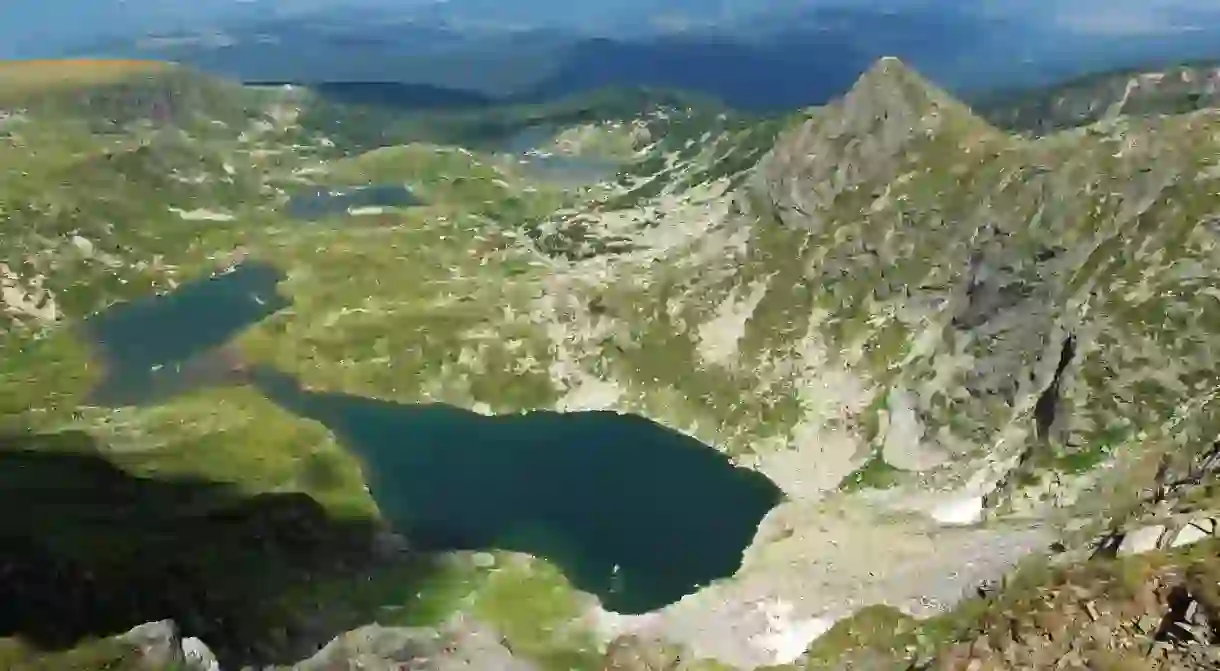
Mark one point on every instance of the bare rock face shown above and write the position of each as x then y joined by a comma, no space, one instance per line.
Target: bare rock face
1159,617
1012,291
630,653
1141,540
888,119
160,646
460,645
1175,90
159,643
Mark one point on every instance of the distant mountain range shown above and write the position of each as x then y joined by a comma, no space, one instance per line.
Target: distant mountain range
782,54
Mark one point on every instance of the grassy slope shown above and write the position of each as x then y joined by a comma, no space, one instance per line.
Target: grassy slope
113,189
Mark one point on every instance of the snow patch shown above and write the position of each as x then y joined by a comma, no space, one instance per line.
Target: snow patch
610,625
960,511
202,215
786,638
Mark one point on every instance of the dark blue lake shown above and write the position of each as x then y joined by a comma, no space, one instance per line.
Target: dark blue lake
320,202
632,512
554,166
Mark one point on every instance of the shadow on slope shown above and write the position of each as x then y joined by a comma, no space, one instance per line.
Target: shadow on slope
87,549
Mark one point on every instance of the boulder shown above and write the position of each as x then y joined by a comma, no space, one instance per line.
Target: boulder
158,643
197,655
1194,532
1141,540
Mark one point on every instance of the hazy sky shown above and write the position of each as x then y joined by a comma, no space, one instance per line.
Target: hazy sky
1138,17
28,26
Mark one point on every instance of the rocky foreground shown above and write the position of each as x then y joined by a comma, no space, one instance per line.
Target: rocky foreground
1153,610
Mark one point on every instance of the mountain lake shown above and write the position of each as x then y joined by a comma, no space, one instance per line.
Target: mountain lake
320,203
634,513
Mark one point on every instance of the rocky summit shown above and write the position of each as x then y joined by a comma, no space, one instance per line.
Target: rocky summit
975,364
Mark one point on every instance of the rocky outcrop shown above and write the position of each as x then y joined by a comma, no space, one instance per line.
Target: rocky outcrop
1177,534
1153,615
160,646
888,119
461,644
1016,293
1106,96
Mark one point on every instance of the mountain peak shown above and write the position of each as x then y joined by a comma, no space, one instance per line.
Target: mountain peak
889,118
892,70
889,65
891,87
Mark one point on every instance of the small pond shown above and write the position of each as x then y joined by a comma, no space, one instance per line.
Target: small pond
553,166
320,202
632,512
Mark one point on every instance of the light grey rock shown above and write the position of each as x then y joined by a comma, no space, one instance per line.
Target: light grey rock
159,643
83,244
1193,533
904,446
459,645
1144,539
483,559
198,656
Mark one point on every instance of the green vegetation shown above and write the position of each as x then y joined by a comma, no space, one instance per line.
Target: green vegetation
94,225
534,607
876,637
454,177
98,655
874,474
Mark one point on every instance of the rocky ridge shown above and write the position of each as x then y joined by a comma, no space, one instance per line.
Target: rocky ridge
959,315
1147,92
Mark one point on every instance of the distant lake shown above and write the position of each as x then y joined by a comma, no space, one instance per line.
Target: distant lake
554,166
319,203
165,343
632,512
